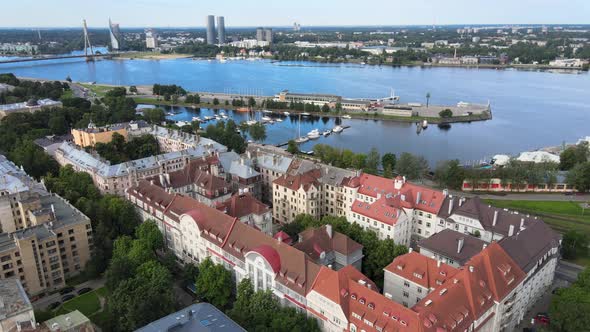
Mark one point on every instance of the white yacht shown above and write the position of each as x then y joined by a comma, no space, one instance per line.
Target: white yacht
286,113
266,118
346,117
301,139
314,134
305,114
326,133
337,129
196,118
279,120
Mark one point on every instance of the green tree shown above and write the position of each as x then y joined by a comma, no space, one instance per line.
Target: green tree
34,160
387,172
154,115
446,113
411,166
449,174
292,147
214,283
251,102
175,99
149,232
258,132
241,312
574,244
373,161
133,89
325,108
579,177
215,101
388,159
567,159
359,161
570,306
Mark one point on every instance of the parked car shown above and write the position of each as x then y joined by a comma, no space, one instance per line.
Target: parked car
54,305
66,290
67,297
542,319
84,290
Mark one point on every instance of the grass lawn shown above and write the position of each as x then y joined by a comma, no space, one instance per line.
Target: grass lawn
88,304
100,90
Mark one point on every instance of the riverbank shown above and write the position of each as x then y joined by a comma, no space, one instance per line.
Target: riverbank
361,116
153,56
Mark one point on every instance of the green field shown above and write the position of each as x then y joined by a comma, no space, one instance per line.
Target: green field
561,215
88,304
100,90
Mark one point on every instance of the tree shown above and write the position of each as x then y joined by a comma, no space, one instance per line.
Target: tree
579,177
411,166
214,283
427,99
373,161
388,159
133,89
387,172
446,113
69,79
149,232
215,101
574,244
570,306
154,115
325,108
258,132
241,312
251,102
292,147
449,174
359,161
174,98
567,159
34,160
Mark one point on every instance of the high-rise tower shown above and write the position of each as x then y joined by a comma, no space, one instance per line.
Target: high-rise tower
221,29
211,29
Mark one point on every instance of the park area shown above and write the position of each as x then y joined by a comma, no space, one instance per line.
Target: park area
91,304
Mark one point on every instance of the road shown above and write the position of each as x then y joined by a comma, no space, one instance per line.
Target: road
44,302
567,271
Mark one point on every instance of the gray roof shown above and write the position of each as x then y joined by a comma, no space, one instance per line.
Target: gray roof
446,243
200,317
13,179
13,298
274,162
23,106
233,164
529,245
333,175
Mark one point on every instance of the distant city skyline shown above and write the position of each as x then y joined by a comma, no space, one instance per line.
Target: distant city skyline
189,13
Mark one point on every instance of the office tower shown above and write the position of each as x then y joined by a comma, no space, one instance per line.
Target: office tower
259,34
116,37
268,35
151,39
211,29
221,29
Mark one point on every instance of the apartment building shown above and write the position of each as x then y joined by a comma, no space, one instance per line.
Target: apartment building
271,165
169,140
56,246
248,210
297,194
114,179
409,278
240,172
16,312
92,134
451,247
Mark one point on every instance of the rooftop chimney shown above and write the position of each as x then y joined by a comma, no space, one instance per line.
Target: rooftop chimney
410,249
418,197
329,230
451,205
460,245
446,192
521,223
471,268
511,230
495,218
438,263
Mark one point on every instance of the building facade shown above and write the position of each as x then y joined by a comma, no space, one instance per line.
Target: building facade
211,29
16,312
221,29
92,135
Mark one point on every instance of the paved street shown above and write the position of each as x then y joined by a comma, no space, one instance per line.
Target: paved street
43,302
567,271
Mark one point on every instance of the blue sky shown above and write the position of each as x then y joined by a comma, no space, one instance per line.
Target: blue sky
191,13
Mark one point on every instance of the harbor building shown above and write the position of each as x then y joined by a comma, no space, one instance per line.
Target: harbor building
221,30
211,30
316,99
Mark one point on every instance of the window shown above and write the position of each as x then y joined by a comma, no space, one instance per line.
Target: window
407,284
406,294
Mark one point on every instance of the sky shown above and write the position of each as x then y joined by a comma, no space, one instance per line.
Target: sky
240,13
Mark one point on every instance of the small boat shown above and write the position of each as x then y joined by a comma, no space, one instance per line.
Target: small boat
271,121
337,129
346,117
286,113
266,118
279,120
224,116
251,122
305,114
222,113
424,124
217,117
243,109
301,139
171,114
196,118
314,134
267,111
326,133
207,118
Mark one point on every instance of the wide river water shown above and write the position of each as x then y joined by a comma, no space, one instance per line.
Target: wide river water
531,109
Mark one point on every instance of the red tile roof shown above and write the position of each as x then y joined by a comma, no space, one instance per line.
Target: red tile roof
314,241
243,205
422,270
343,287
305,180
381,210
410,194
489,276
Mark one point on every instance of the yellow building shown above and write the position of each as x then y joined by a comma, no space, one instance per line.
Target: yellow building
92,135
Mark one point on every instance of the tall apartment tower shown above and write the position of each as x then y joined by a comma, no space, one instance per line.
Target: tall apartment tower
260,34
116,37
221,29
268,35
151,39
211,29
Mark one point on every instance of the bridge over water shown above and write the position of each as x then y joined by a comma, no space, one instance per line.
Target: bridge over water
89,57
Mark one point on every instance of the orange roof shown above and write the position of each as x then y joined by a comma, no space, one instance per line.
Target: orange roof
413,195
355,293
489,276
422,270
380,210
242,205
305,180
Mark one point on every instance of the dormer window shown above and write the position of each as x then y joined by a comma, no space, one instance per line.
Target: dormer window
371,306
362,301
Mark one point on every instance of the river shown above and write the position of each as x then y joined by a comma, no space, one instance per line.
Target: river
531,109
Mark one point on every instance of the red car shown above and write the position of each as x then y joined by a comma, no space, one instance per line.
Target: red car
542,319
